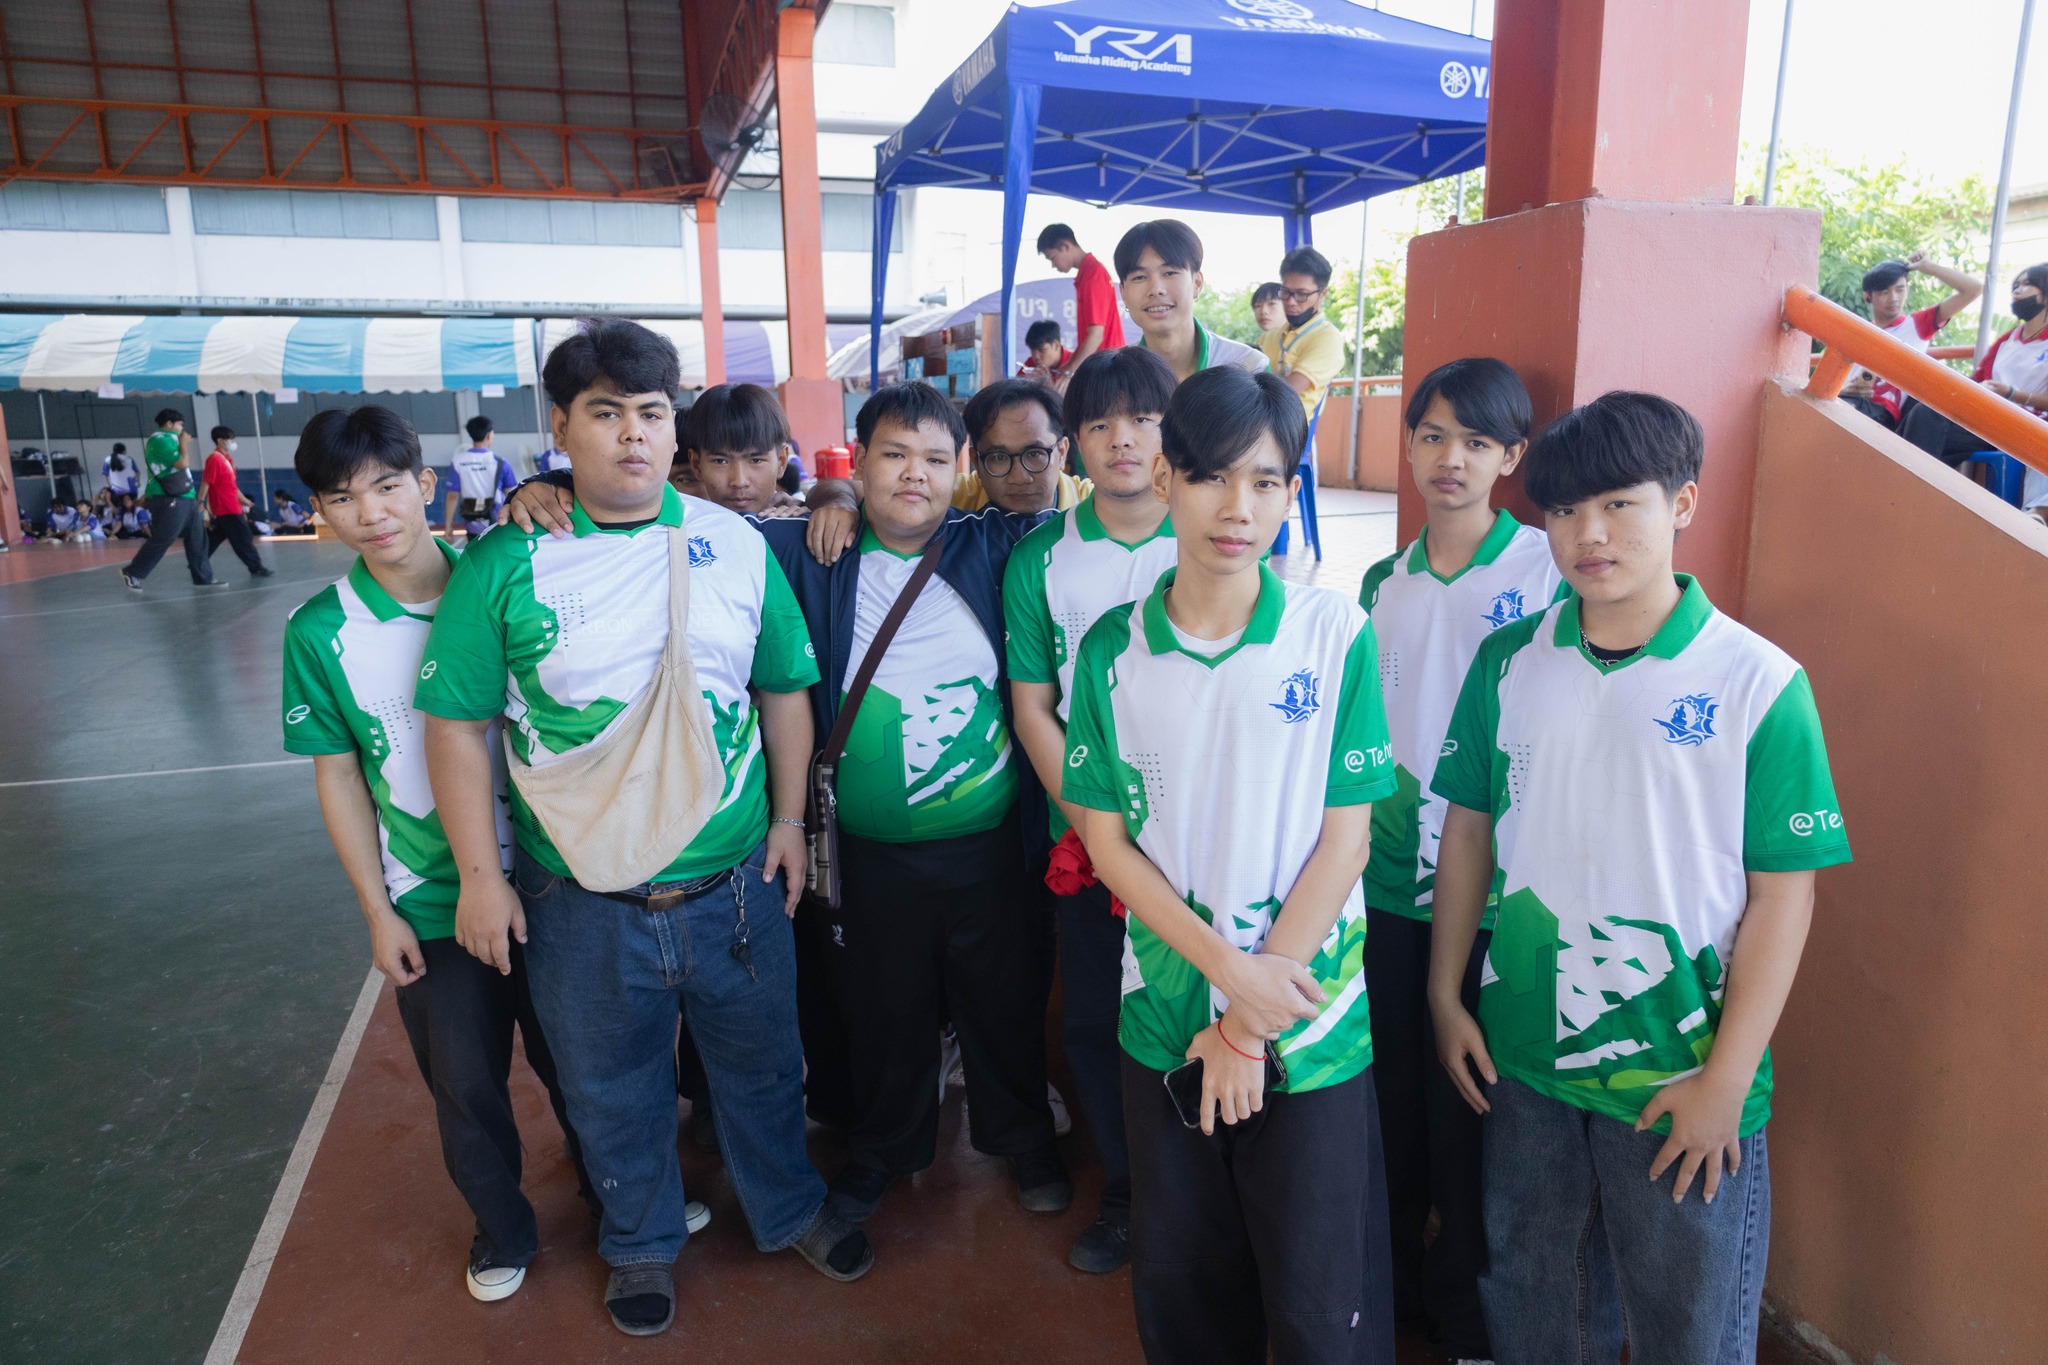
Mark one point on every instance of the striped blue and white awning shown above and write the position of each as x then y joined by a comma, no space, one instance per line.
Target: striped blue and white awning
88,351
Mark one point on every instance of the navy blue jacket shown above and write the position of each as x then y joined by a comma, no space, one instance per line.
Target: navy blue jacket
976,551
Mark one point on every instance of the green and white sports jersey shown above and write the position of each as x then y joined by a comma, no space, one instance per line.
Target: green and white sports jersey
1429,627
930,754
160,454
1060,580
1222,765
1630,801
563,634
350,656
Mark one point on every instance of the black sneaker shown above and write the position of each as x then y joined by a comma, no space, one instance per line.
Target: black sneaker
488,1281
134,583
1042,1184
641,1299
837,1248
212,583
857,1192
262,573
1103,1247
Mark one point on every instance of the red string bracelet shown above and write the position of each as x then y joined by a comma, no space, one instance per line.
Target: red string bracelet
1248,1056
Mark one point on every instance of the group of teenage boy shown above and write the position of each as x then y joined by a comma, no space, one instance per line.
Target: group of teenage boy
1560,813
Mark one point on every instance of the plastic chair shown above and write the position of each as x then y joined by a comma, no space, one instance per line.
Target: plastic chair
2004,475
1311,531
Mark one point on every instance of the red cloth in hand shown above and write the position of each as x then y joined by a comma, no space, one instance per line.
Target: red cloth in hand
1071,872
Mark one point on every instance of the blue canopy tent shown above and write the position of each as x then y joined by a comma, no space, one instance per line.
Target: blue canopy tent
1238,106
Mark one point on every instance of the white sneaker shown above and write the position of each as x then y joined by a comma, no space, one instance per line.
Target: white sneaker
951,1073
696,1217
488,1283
1062,1121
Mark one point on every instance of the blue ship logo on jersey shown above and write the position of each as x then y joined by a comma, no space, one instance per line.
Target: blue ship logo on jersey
1692,720
1508,606
1300,697
701,552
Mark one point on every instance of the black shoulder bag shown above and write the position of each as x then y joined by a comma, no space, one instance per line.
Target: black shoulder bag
821,820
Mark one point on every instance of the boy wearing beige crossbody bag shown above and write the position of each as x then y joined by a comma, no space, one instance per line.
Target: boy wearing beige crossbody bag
652,668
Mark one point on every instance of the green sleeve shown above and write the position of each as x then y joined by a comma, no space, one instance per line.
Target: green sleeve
784,659
1791,820
314,722
1564,590
463,668
1027,619
1361,755
1091,777
1369,590
1464,766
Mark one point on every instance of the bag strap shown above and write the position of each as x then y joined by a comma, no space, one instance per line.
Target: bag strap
842,726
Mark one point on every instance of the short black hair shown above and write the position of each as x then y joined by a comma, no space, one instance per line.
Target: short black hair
735,419
280,495
998,398
169,415
478,427
1306,260
1130,381
1044,332
909,405
338,443
2036,275
1174,240
1217,415
1884,275
219,434
1269,292
1618,440
614,351
1486,396
1052,234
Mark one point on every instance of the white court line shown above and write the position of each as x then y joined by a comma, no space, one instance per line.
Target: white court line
234,1323
158,772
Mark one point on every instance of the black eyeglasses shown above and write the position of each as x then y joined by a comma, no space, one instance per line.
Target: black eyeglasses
1299,295
1036,460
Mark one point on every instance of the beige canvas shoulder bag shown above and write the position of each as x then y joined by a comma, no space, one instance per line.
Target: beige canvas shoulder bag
620,809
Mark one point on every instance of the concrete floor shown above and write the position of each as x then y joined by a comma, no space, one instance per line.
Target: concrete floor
179,955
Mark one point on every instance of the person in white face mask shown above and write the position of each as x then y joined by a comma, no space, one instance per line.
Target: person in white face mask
227,507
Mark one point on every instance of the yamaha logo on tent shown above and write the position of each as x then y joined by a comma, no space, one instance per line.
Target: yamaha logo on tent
1134,49
1274,9
1459,80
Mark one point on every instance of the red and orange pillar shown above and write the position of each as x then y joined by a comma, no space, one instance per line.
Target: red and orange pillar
816,416
709,292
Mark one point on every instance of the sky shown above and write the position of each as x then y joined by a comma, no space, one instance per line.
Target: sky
1921,81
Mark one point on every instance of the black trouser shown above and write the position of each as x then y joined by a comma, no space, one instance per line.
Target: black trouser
828,1070
1947,441
928,930
236,531
1272,1231
459,1017
1875,411
1432,1140
1091,1002
172,519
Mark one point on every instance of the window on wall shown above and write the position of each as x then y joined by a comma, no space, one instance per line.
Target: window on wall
32,205
752,220
580,223
313,213
857,35
431,414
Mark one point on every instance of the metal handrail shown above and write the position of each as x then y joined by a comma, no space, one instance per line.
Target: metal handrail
1851,341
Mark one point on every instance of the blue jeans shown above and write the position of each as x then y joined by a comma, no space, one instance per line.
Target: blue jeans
1579,1239
609,982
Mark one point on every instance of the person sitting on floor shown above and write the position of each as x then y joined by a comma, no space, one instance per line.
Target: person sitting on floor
288,518
133,521
62,521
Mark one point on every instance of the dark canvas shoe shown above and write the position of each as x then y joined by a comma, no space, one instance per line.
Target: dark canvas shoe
641,1299
857,1193
1103,1247
1042,1184
837,1248
488,1281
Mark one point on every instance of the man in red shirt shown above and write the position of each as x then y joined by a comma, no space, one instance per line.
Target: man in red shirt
226,506
1096,321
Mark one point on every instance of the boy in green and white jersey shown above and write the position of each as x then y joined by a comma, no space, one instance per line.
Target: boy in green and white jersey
563,635
1225,741
167,454
350,656
1108,550
1650,779
1433,602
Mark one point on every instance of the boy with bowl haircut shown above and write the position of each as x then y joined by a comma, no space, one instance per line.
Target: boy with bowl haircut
1649,778
737,440
350,656
1225,742
1108,550
1433,602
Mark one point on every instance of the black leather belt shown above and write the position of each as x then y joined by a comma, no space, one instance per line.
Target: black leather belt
668,895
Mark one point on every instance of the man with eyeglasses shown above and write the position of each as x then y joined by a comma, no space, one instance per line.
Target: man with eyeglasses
1309,351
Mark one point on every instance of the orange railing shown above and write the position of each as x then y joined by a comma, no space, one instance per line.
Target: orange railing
1851,341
